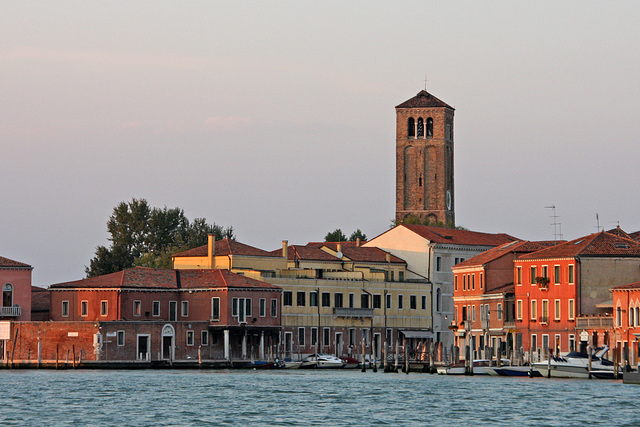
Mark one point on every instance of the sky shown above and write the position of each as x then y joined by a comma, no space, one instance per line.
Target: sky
277,117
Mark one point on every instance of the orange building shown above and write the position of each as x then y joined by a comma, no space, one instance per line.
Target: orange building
556,286
626,305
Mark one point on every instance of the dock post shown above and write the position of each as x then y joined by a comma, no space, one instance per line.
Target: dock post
375,359
548,364
74,356
590,351
364,366
406,359
396,356
57,353
385,365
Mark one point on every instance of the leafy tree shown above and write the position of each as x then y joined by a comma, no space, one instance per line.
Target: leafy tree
413,219
335,236
358,235
146,236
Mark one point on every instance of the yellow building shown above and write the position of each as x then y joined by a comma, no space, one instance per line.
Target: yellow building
335,295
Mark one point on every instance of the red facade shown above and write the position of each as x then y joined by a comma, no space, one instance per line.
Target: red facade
15,284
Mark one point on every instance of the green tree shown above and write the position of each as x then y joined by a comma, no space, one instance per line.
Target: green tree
413,219
146,236
335,236
358,235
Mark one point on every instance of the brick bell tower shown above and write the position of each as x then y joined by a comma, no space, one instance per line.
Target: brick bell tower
424,159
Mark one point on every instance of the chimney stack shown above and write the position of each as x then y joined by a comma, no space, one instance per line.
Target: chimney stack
358,242
211,249
285,253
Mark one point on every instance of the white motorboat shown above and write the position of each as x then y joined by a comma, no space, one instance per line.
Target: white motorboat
576,365
479,368
322,360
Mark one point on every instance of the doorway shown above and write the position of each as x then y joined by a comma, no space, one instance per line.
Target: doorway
339,344
142,349
168,342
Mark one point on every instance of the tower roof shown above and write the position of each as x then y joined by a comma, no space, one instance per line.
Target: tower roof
424,99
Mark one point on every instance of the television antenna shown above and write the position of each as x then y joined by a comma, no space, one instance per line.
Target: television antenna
557,226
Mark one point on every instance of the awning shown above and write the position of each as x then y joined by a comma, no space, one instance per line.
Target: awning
605,304
417,334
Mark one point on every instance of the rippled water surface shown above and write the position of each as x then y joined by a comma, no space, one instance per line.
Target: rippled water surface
307,398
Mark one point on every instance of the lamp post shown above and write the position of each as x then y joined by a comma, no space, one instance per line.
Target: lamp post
373,355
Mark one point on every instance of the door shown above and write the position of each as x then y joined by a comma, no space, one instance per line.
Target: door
288,343
168,342
377,342
142,352
339,344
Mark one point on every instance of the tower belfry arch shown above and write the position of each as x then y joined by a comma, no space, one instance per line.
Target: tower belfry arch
424,160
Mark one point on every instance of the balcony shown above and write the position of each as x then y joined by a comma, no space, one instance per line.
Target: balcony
594,322
544,320
353,312
10,311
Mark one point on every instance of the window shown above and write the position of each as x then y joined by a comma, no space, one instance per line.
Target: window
534,309
393,277
518,275
314,336
104,308
556,274
571,310
263,307
619,316
173,311
313,299
482,315
326,341
401,276
533,275
189,338
65,309
473,281
545,310
337,300
215,309
545,341
365,336
400,302
630,319
364,300
326,299
155,309
481,281
473,313
7,295
388,298
120,338
241,309
413,302
571,273
247,306
534,342
84,308
185,308
301,337
351,300
424,301
204,338
352,337
420,132
429,127
545,272
137,308
455,283
300,299
499,311
287,298
572,342
448,131
464,282
556,311
519,309
411,127
274,307
377,301
438,263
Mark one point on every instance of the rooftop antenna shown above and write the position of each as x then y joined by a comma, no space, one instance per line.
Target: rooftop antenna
597,223
557,226
425,82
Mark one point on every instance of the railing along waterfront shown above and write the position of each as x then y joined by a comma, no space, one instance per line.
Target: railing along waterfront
9,311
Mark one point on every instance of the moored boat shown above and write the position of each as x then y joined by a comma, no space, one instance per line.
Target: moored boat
322,360
576,365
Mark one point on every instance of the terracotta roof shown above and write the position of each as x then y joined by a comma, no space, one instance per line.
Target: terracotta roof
459,237
423,100
313,252
226,247
597,244
635,285
150,278
9,263
40,299
618,232
369,254
307,253
516,247
635,235
509,288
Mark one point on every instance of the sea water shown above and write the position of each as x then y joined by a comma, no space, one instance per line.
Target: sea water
303,398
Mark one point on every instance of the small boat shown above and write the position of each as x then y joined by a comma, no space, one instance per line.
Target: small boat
350,362
290,364
479,368
576,365
513,371
322,360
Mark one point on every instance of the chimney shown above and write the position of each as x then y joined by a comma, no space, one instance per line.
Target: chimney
339,247
211,249
358,242
388,257
285,253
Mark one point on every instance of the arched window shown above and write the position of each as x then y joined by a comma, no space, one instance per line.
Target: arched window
420,182
411,128
429,127
7,295
420,128
637,316
631,315
619,316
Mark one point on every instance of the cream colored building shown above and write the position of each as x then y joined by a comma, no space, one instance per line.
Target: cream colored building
335,296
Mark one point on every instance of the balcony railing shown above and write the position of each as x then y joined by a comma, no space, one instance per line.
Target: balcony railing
9,311
353,312
594,322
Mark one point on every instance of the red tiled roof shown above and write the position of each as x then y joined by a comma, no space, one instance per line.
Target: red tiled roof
635,235
509,288
9,263
40,299
307,253
516,247
313,252
635,285
618,232
369,254
459,237
150,278
226,247
423,100
597,244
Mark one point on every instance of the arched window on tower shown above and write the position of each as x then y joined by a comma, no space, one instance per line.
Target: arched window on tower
411,128
420,182
420,128
429,127
7,295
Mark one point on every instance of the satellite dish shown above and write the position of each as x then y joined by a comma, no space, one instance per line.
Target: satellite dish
339,254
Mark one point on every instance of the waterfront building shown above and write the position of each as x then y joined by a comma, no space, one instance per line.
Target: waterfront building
15,279
336,296
424,160
561,291
484,300
626,320
165,314
430,253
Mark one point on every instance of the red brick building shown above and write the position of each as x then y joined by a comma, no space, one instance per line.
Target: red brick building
626,319
15,282
149,314
556,286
